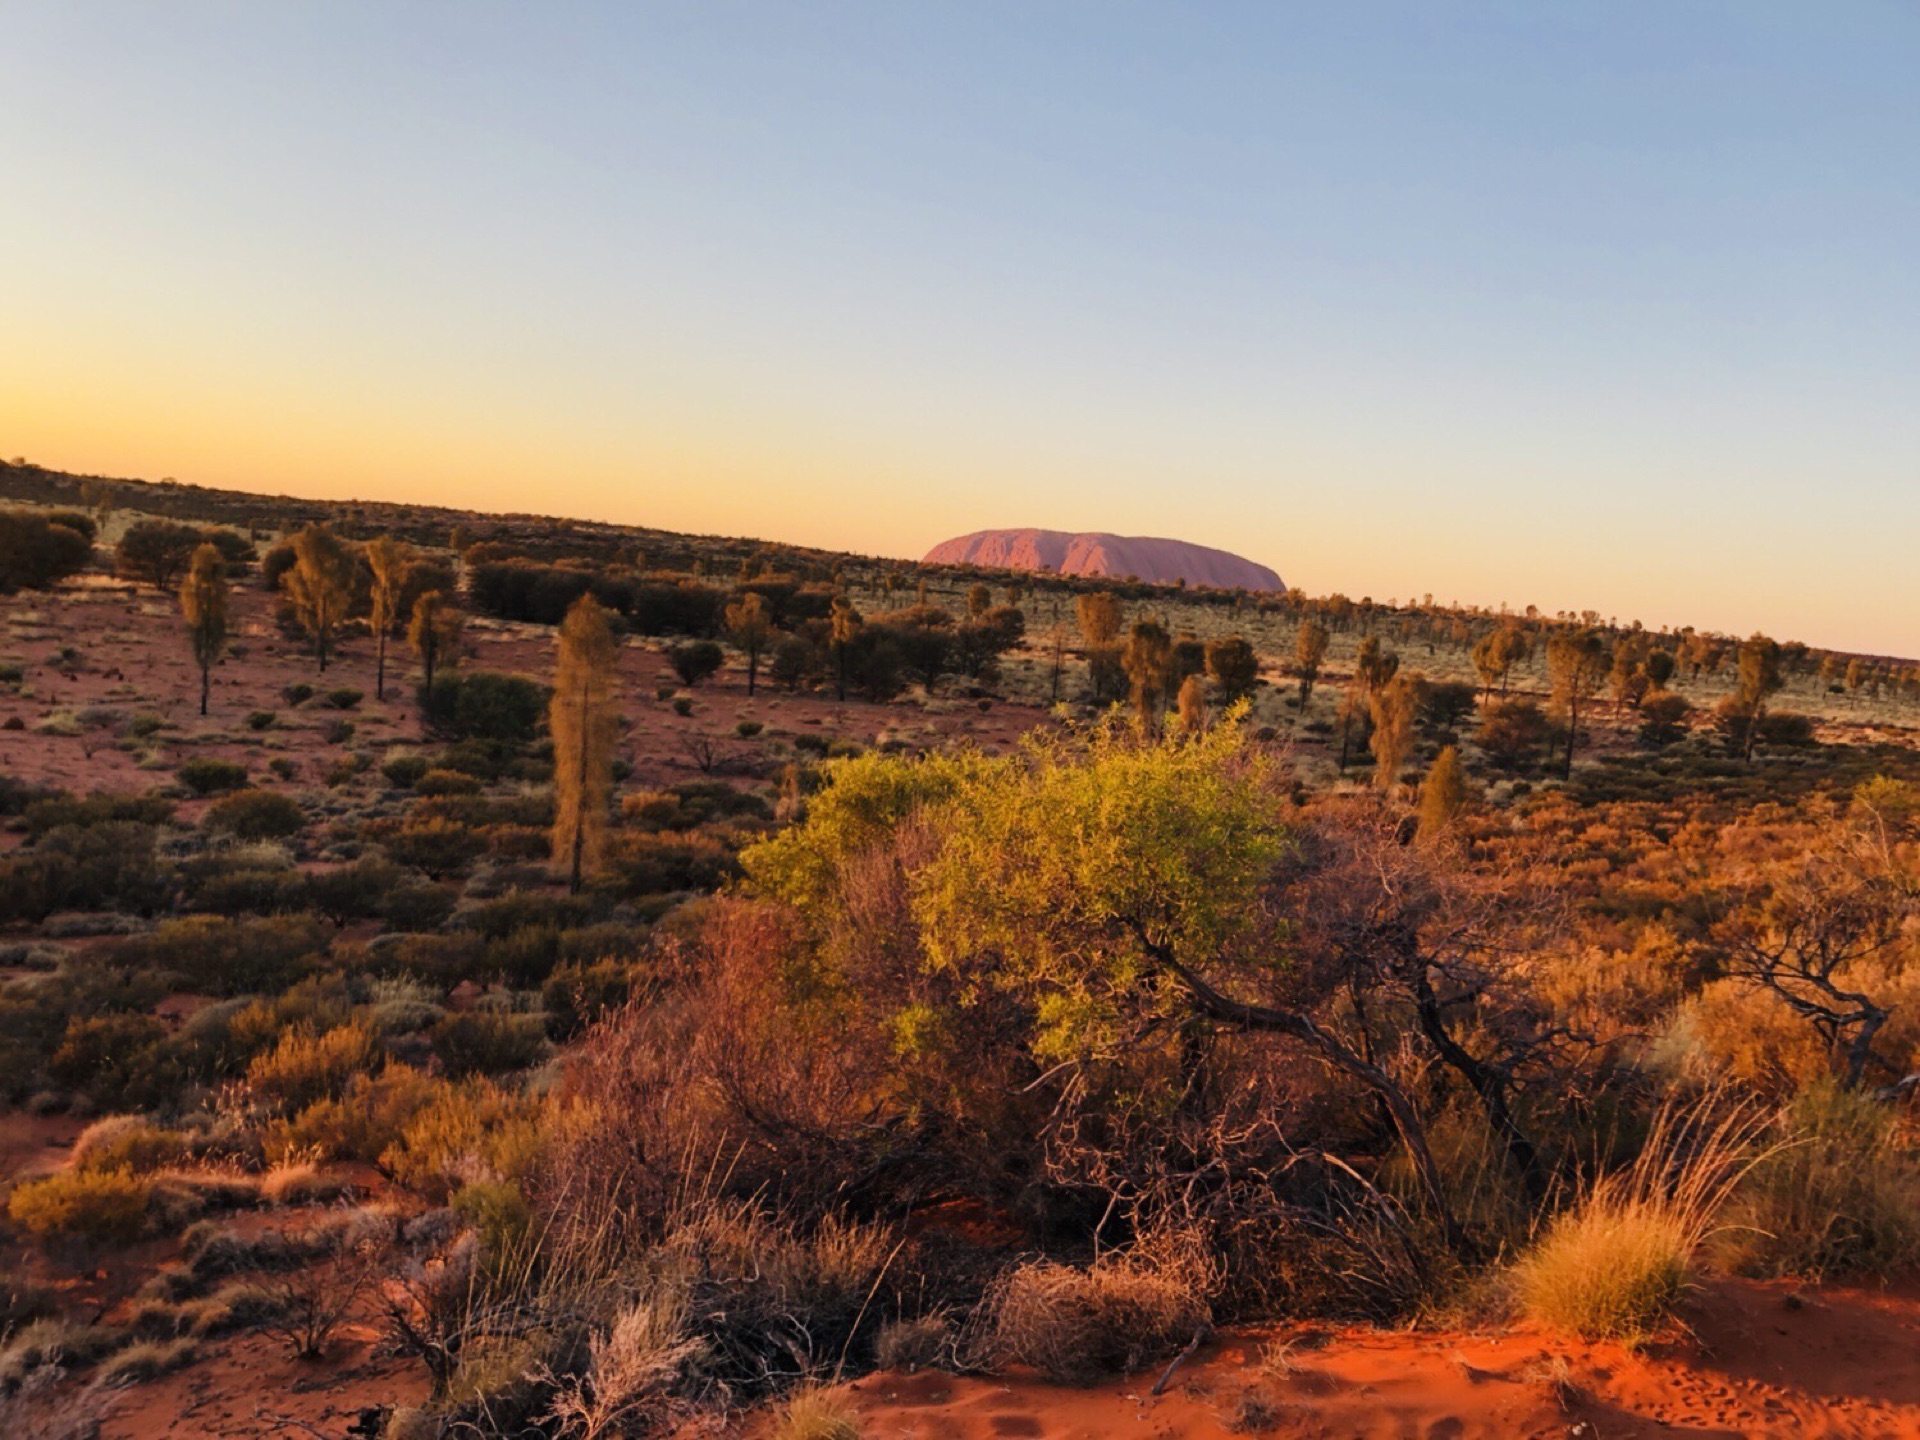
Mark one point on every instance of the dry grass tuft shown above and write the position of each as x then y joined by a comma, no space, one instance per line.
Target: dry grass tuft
1615,1266
1115,1316
818,1413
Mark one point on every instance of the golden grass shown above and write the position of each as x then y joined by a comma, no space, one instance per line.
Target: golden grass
1616,1264
818,1413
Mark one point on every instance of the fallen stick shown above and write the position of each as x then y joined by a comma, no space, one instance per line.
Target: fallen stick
1199,1335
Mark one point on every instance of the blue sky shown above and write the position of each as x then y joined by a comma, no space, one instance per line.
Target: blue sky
1584,306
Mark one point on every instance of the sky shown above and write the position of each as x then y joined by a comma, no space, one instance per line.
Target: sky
1610,306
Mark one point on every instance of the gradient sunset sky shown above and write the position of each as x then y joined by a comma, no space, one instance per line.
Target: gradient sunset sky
1611,306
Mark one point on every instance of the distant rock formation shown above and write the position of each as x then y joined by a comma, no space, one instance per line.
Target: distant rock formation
1161,562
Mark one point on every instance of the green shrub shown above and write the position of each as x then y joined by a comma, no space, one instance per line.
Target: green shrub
219,956
128,1142
695,660
487,1042
297,694
261,719
446,782
101,1055
256,815
92,1205
344,698
437,848
1839,1195
481,704
95,867
475,1125
403,772
36,552
207,776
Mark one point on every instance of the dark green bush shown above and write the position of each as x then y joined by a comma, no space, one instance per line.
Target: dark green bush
36,551
219,956
344,698
71,812
403,772
207,776
484,705
256,815
487,1042
112,866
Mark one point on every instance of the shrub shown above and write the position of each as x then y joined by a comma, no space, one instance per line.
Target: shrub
297,694
305,1067
437,848
747,729
145,1361
219,956
36,551
127,1142
369,1117
344,698
487,1042
93,1205
403,772
1839,1196
207,776
90,867
261,719
256,815
1115,1316
696,660
480,704
446,782
300,1182
818,1412
473,1130
101,1055
1614,1266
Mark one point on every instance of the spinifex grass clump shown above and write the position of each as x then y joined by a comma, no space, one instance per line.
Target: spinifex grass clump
1616,1265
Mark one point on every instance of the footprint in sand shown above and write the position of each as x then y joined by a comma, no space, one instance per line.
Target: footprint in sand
1015,1425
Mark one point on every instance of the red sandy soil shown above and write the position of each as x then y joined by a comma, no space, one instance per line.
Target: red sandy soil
1759,1359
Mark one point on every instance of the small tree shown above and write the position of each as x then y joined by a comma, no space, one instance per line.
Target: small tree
36,551
1393,707
203,603
1578,663
695,661
1760,678
1192,707
1098,615
1234,667
584,719
391,564
1309,653
156,552
1443,795
751,628
320,585
843,635
1148,660
1497,652
434,633
1373,667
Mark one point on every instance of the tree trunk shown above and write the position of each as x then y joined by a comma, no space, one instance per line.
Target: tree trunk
1488,1083
206,683
380,668
1242,1015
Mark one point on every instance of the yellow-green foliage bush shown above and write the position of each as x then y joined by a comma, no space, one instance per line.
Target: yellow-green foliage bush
127,1142
94,1205
305,1067
470,1131
360,1124
1840,1195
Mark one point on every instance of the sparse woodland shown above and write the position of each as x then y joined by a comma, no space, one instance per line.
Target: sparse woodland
619,979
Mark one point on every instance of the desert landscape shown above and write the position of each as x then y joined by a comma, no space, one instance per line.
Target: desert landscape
1572,1101
852,721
